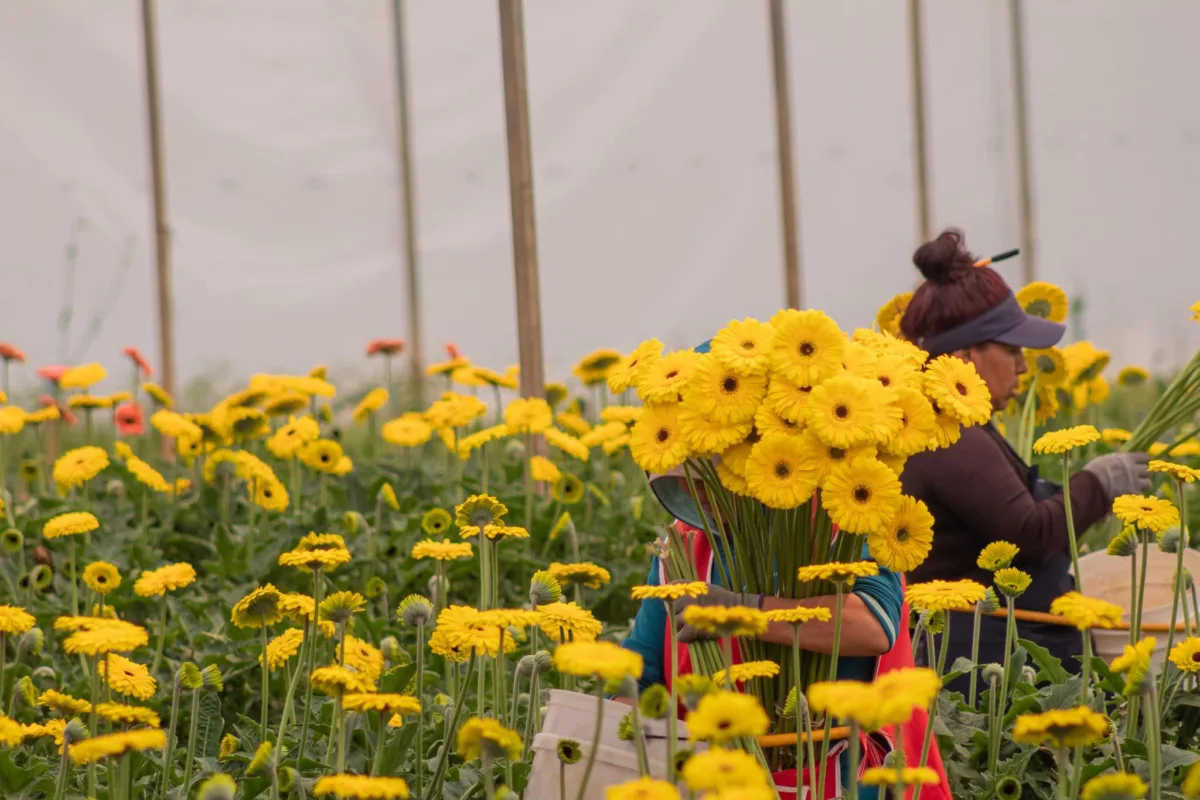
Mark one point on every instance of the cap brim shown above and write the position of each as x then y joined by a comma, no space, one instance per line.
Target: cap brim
1032,332
673,495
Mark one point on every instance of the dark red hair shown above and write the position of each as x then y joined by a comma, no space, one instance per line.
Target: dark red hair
954,291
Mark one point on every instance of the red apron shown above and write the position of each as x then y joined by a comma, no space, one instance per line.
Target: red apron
872,751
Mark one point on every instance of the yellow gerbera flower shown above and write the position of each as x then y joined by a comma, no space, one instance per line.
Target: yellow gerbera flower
656,440
573,423
947,430
777,473
127,677
721,394
101,577
1011,581
1179,472
664,380
767,421
115,744
821,458
562,620
260,607
1049,365
83,376
1114,786
15,620
944,595
890,776
748,670
669,591
888,317
837,571
721,717
1134,654
788,401
1087,612
70,524
630,370
904,543
1133,375
718,769
528,415
844,410
374,400
96,635
726,621
408,430
861,496
282,648
585,574
566,443
543,469
1073,727
77,467
958,390
918,425
1045,300
799,615
321,455
807,348
478,735
997,555
703,436
595,366
604,659
64,704
362,787
744,346
1115,437
1148,513
441,551
1065,440
383,703
1186,655
337,680
477,512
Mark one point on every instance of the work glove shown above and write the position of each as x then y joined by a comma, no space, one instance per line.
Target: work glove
716,596
1121,473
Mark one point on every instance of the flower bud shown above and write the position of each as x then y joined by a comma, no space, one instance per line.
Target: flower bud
41,576
27,692
392,651
789,705
218,787
115,489
12,540
1029,675
544,588
375,587
263,759
682,756
286,777
654,702
1008,788
543,661
31,642
525,666
1168,541
75,731
514,451
353,522
212,678
188,676
415,610
625,730
993,672
990,602
229,746
569,751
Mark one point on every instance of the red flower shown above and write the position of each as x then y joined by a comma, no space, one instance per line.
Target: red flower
64,411
52,373
129,419
389,347
139,359
10,353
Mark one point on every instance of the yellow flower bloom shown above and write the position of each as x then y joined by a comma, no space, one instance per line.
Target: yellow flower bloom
748,670
890,776
997,555
768,422
1011,581
646,788
807,348
1191,781
657,441
1133,375
1115,437
340,606
1045,300
441,551
1114,786
788,401
127,677
269,493
1049,365
1179,472
585,574
1186,655
321,455
777,473
101,577
573,423
528,415
944,595
670,591
176,426
408,430
843,410
543,469
566,443
476,512
77,467
720,394
1086,612
702,436
721,717
1134,654
260,607
15,620
83,376
718,769
799,615
115,744
888,317
374,400
286,442
862,496
472,442
837,571
383,703
604,659
158,394
568,621
87,401
958,390
744,347
1074,727
595,366
337,680
282,648
947,430
726,621
362,787
96,635
665,379
325,558
904,543
64,704
478,735
1148,513
917,423
627,372
1065,440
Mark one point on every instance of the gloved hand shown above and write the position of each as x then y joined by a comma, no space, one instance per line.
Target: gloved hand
716,596
1121,473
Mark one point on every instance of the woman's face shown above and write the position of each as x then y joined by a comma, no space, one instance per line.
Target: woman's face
1000,366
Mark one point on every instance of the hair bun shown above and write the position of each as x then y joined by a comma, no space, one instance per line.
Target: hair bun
944,259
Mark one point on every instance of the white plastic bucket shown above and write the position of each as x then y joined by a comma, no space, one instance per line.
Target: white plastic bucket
1108,578
571,715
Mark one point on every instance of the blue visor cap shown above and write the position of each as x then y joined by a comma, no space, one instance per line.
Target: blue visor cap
1006,323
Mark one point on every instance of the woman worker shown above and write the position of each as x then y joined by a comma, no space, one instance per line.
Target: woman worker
979,490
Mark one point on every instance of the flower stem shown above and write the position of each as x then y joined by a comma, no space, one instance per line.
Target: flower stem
379,734
421,697
1153,742
852,778
162,636
318,590
1177,597
941,669
994,731
1071,521
266,682
1064,784
972,698
591,759
673,703
489,781
1085,688
293,682
169,752
833,664
341,728
74,578
1137,633
191,747
439,772
94,666
639,735
64,769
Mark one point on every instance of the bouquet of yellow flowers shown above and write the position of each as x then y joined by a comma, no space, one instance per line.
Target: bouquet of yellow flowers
815,425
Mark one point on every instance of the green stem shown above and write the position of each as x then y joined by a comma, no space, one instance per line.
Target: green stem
1071,521
852,778
64,769
673,703
1085,688
833,663
1064,783
1133,599
94,666
1177,597
528,483
318,590
378,760
169,752
489,781
341,726
810,746
1153,742
941,669
727,652
3,665
994,730
972,698
162,636
266,683
74,578
193,725
439,772
639,736
1137,634
293,682
595,744
421,697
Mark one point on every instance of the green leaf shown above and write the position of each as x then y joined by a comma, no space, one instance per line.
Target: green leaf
396,679
1063,695
1051,669
1173,757
208,729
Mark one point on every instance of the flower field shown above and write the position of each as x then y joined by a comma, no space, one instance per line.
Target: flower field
310,590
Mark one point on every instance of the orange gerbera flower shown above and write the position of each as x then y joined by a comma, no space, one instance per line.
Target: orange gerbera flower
52,372
129,419
139,360
10,353
388,347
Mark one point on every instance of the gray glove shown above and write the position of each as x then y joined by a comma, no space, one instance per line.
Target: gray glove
1121,473
717,596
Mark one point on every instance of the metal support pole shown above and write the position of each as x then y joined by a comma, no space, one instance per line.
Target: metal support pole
408,207
1024,188
520,182
793,286
162,245
918,113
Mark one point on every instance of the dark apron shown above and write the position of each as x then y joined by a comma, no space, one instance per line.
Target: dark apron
1051,579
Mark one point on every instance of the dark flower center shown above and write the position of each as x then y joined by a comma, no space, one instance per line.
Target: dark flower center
861,494
324,458
672,373
1038,308
902,535
267,494
960,388
841,412
729,385
837,453
747,345
782,469
885,380
663,434
1196,657
807,349
724,724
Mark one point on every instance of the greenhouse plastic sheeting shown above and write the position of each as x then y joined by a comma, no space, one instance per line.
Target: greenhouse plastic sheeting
654,158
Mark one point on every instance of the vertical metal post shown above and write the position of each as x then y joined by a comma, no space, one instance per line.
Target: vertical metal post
918,113
793,285
1020,104
408,204
162,245
520,183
